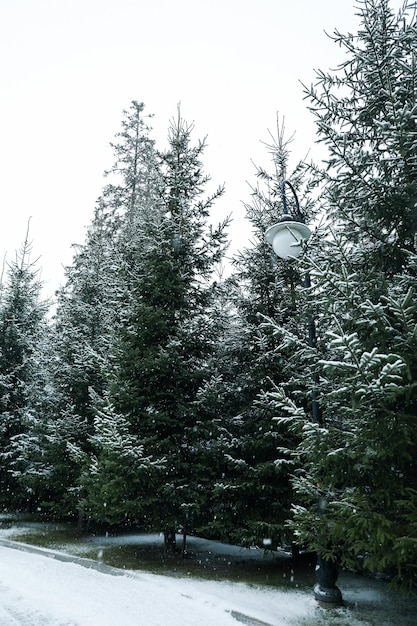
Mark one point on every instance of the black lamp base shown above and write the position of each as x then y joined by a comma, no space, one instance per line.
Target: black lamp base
328,597
326,592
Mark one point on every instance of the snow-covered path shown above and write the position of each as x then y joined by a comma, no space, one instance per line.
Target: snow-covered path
40,587
37,590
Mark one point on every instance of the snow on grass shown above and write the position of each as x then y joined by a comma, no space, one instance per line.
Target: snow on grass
41,587
36,589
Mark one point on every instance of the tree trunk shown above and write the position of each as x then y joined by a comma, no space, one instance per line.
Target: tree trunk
80,523
184,543
170,541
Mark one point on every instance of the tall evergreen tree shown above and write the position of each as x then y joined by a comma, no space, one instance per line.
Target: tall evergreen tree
87,312
360,464
90,306
251,502
119,477
24,384
167,336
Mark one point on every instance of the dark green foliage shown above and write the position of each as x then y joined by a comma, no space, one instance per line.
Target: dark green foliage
120,478
252,499
362,465
365,113
24,384
81,335
162,350
357,480
90,307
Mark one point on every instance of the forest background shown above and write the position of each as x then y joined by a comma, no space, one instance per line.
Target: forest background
163,394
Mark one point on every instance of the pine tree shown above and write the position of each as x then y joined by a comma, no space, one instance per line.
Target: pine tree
90,306
24,384
119,476
360,462
166,339
86,314
251,501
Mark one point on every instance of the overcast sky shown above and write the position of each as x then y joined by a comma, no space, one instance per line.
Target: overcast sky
69,68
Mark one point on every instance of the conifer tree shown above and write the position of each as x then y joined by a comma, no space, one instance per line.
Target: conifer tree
90,306
166,339
86,314
251,501
119,477
360,463
24,384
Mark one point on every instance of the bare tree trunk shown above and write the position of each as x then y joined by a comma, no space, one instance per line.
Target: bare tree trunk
80,523
184,543
170,541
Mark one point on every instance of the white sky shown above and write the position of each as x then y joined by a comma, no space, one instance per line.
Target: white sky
69,68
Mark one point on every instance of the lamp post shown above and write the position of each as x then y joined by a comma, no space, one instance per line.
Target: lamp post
286,238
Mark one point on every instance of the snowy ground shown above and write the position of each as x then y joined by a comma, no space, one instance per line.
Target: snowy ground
41,587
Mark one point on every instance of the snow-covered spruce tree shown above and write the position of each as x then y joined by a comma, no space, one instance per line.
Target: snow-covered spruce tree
167,336
360,464
132,195
90,306
94,298
251,502
120,476
83,324
24,386
133,189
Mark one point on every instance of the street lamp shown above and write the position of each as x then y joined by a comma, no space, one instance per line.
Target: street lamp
289,234
287,238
